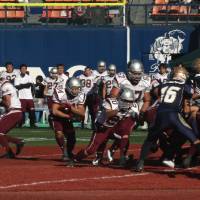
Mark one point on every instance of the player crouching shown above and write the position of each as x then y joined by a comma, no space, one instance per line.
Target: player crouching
67,104
117,116
10,119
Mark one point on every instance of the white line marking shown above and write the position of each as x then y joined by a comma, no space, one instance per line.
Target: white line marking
40,155
70,180
50,139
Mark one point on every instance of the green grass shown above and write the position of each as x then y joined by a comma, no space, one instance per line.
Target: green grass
45,136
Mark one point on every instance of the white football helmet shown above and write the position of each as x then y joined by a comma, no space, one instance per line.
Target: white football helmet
101,66
135,71
126,99
73,86
112,70
180,73
54,73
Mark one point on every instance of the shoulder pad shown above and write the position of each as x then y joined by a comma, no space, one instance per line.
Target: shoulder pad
146,77
81,98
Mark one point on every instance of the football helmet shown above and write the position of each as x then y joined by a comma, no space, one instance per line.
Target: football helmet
180,73
135,71
101,66
73,86
126,99
53,72
112,70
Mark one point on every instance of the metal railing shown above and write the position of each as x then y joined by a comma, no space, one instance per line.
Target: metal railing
152,14
131,14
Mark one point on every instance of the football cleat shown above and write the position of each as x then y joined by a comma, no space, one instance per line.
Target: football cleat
70,163
122,161
10,154
19,147
110,155
140,166
187,161
96,161
64,158
168,163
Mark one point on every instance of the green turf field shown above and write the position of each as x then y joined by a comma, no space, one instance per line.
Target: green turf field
45,136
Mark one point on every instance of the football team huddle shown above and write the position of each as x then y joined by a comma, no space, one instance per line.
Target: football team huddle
118,103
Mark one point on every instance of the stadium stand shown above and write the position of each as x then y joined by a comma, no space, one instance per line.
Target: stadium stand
180,9
11,12
80,14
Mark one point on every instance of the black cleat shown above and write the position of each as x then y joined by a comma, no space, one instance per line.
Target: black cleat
19,147
187,162
70,163
140,166
122,161
10,154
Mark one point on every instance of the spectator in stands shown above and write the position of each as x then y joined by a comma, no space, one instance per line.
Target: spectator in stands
79,15
198,5
185,9
39,97
27,9
24,84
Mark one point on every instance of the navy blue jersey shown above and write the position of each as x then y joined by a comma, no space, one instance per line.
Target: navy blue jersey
172,94
197,83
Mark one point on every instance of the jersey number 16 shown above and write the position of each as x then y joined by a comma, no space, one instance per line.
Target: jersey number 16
169,94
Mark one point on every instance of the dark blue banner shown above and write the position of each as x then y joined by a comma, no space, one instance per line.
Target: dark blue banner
46,47
155,45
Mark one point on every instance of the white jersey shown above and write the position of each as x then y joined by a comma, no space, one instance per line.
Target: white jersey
144,85
7,88
113,104
24,93
10,76
159,78
99,76
87,83
61,97
65,78
51,84
108,81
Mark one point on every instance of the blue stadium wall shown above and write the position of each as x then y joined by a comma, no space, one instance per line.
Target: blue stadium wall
71,46
44,47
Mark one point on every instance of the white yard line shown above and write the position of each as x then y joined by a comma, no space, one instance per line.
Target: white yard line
71,180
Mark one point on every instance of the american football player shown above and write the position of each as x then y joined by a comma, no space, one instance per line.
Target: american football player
173,94
108,81
10,74
87,82
109,121
11,118
67,103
